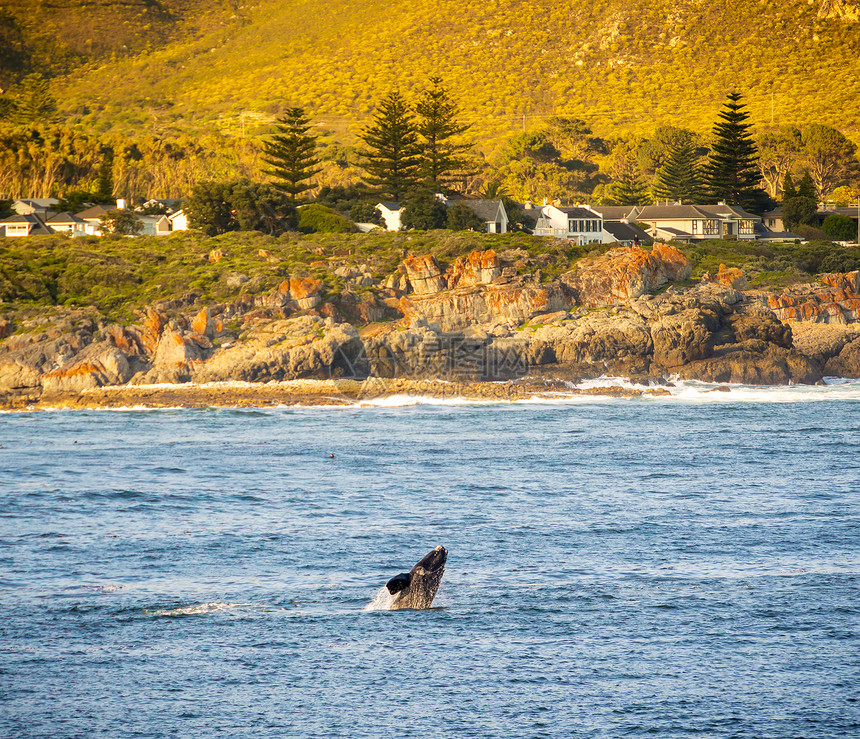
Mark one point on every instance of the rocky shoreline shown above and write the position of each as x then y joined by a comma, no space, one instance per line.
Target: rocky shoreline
483,326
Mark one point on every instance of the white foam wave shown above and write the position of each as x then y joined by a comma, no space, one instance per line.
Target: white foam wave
195,610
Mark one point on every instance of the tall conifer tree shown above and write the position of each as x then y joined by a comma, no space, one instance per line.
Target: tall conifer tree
393,153
291,154
439,129
679,178
731,173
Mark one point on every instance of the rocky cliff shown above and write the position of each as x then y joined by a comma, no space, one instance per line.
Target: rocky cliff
480,318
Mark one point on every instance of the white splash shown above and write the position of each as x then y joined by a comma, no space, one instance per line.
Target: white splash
195,610
382,601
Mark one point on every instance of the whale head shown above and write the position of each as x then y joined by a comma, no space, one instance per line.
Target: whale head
417,588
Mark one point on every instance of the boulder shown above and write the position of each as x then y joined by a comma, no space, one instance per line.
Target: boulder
624,274
479,268
424,274
730,276
97,367
846,363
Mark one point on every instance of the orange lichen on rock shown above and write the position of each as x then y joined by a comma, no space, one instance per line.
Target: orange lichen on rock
479,268
731,276
424,274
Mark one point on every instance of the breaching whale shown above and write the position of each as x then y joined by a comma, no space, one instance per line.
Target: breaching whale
417,588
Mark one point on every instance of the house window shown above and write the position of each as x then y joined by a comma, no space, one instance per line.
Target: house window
17,229
696,228
747,227
711,227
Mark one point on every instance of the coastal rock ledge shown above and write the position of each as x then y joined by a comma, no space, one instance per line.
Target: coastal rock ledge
473,322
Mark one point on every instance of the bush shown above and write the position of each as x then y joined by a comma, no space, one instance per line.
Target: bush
463,218
316,218
840,228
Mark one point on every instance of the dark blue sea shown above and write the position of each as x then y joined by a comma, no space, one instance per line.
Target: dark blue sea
669,567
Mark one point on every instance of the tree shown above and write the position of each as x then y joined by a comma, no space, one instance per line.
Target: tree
806,188
788,188
32,102
778,149
628,185
438,128
218,207
679,178
291,154
316,218
732,174
121,221
104,183
392,159
462,218
366,212
839,228
423,211
830,156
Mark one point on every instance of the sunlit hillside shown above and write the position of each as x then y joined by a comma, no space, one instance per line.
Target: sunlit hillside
620,65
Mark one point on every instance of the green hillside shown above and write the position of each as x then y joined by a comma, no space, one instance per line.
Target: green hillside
511,63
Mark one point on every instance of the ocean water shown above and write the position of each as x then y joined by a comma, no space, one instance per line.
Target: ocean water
669,567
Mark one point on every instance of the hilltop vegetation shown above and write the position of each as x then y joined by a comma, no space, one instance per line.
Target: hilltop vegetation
172,67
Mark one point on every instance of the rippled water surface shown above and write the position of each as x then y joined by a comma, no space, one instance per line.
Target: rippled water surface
667,568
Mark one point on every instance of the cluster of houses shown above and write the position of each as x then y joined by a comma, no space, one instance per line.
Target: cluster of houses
39,216
582,224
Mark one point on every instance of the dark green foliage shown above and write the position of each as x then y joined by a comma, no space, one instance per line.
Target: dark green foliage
366,212
120,221
152,208
5,208
315,218
342,199
798,211
75,201
32,102
732,173
104,184
830,156
630,188
518,219
422,211
438,128
788,188
806,188
291,154
218,207
840,228
463,218
392,159
679,178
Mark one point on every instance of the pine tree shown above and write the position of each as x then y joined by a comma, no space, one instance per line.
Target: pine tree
393,157
291,154
806,188
732,174
788,188
438,129
679,178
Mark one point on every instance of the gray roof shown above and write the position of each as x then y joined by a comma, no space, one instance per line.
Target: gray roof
614,212
486,210
38,227
576,212
63,218
391,205
624,231
667,212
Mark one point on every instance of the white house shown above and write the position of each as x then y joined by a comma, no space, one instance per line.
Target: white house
697,222
68,224
24,224
92,219
579,224
491,212
178,221
154,225
39,206
390,214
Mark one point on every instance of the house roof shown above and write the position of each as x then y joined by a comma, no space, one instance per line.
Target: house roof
486,210
37,225
64,218
673,212
674,231
577,212
624,231
392,206
614,212
94,213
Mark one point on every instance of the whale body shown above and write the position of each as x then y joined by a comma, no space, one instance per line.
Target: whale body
417,588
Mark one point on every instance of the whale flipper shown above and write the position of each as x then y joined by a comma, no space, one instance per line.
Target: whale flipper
398,582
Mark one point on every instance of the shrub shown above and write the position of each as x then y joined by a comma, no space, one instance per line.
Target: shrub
316,218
